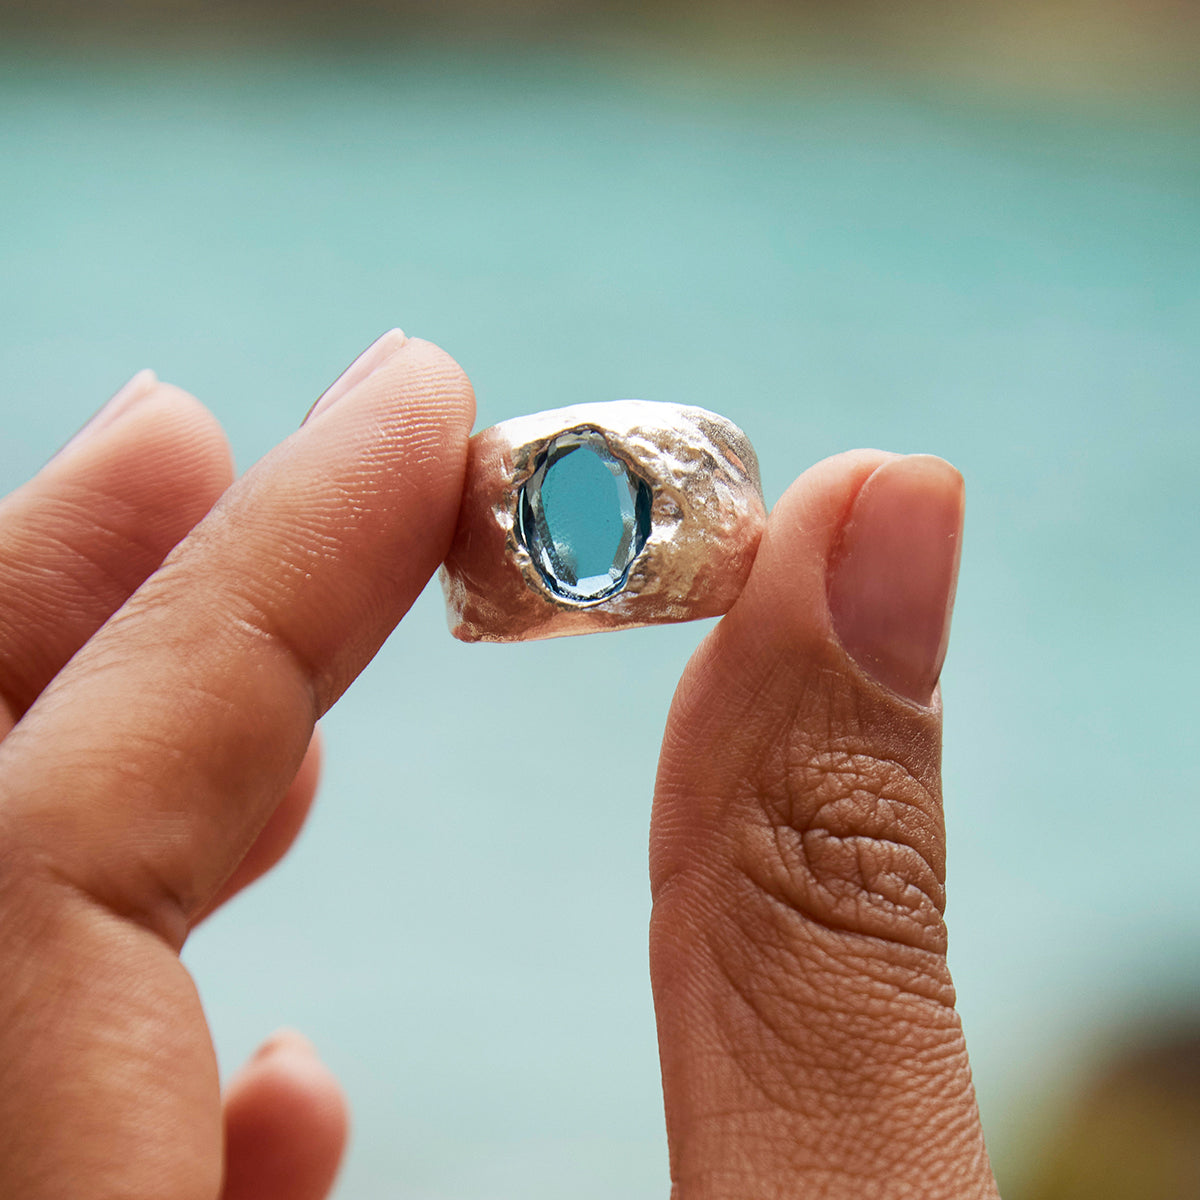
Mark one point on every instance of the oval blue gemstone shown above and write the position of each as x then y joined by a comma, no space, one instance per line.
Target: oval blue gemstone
584,517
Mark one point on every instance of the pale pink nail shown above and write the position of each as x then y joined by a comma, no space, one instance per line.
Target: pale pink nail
370,360
893,573
129,397
285,1040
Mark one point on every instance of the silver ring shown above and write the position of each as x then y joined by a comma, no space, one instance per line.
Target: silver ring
602,516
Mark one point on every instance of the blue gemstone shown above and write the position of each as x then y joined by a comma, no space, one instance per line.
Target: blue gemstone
584,517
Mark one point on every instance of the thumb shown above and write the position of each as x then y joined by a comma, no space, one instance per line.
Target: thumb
806,1015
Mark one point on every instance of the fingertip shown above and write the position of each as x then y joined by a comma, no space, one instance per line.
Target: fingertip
153,443
140,384
893,572
286,1084
204,441
439,382
400,437
414,404
129,394
285,1040
286,1123
382,348
783,602
409,373
860,555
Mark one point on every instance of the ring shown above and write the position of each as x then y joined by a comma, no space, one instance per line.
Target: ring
602,516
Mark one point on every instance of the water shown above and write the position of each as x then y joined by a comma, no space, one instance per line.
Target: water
827,260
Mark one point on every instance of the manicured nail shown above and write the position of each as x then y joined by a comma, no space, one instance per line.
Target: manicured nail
369,361
893,573
130,396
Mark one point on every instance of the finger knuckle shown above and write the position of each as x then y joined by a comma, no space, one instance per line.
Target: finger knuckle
845,836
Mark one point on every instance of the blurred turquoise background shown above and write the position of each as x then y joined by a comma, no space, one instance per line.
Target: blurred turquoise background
829,258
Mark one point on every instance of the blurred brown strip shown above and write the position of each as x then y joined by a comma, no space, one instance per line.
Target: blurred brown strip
1075,46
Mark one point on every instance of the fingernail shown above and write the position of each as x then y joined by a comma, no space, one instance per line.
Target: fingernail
370,360
131,395
893,573
285,1040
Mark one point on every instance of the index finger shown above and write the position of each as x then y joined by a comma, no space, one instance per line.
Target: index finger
144,772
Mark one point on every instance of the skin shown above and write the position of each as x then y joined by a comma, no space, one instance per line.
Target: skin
169,639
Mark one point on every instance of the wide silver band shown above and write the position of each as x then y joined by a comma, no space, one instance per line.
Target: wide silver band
701,513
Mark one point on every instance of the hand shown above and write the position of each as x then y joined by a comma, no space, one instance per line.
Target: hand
160,758
150,772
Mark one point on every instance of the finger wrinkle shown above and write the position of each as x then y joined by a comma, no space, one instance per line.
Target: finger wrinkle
139,865
851,1086
799,991
766,1122
271,634
846,838
115,539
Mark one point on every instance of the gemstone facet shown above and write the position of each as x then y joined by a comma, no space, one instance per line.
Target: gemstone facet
584,517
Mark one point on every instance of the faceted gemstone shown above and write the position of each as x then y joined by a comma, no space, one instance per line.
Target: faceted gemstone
584,517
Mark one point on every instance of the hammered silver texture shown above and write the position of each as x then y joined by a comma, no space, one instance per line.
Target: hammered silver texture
706,518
